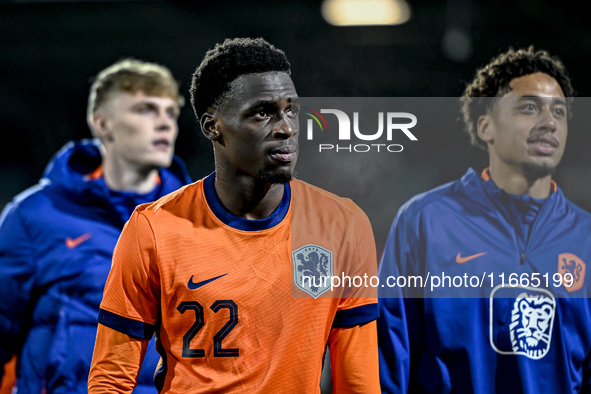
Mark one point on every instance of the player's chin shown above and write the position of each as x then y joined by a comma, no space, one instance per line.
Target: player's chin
156,163
277,175
162,159
539,168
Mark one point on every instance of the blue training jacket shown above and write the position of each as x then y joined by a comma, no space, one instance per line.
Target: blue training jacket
56,243
533,338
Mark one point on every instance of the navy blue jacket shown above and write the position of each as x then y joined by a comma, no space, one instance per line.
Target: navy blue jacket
56,244
534,338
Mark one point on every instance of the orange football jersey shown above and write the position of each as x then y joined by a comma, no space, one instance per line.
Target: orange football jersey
226,297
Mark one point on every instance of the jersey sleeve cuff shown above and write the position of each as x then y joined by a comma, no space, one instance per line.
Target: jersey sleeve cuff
125,325
355,316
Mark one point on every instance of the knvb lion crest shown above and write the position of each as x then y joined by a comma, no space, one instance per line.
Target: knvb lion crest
532,318
569,263
312,269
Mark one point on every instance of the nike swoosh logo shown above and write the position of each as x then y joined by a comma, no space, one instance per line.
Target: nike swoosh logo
192,285
462,260
72,243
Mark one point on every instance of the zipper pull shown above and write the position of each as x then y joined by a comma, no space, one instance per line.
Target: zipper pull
522,260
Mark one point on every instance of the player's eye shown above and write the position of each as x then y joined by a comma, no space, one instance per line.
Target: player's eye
146,109
292,110
262,112
560,111
173,113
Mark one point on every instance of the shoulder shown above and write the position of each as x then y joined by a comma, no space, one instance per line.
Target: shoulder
30,201
431,200
315,209
450,197
310,193
581,215
313,197
439,206
180,200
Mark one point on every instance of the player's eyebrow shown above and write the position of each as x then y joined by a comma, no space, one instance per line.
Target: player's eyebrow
262,103
155,106
143,102
272,102
555,100
559,100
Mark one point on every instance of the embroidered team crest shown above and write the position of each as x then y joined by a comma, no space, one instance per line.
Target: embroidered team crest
568,263
312,269
521,321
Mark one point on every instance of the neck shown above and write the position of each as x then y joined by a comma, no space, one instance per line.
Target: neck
516,182
123,178
247,197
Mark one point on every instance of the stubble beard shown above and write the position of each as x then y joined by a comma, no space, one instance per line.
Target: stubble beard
537,171
275,178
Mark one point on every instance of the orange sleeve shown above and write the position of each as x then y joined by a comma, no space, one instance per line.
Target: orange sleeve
9,379
362,262
354,359
131,301
358,302
116,361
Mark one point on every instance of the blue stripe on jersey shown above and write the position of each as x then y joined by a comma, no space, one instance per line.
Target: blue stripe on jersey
355,316
240,223
127,326
162,370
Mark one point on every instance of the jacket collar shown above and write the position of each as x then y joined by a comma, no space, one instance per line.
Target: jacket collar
485,175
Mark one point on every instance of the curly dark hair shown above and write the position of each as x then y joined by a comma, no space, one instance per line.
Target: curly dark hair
493,80
224,63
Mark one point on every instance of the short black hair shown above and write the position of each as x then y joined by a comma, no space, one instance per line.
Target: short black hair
228,61
493,80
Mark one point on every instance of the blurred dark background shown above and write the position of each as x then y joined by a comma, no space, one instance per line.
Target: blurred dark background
50,50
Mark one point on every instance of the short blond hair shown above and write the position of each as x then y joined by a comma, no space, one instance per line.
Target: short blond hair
131,75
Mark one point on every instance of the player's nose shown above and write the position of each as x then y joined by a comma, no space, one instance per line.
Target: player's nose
284,127
547,120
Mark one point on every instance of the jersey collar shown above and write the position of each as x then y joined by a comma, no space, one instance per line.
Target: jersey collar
240,223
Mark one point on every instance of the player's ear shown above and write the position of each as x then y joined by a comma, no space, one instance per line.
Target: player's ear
484,128
209,126
101,126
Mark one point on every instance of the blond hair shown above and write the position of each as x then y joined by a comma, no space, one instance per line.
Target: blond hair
131,75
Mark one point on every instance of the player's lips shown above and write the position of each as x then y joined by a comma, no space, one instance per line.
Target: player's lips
544,144
285,154
161,144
